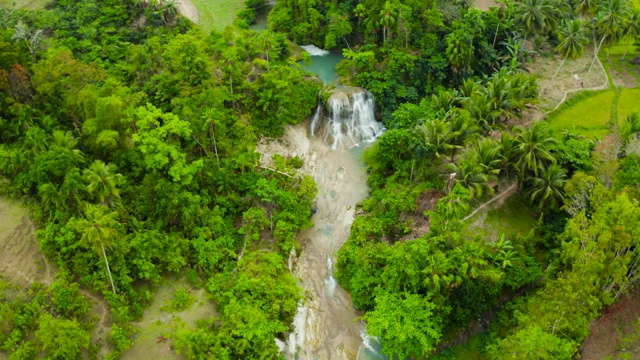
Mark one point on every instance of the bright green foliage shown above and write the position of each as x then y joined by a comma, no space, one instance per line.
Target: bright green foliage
533,343
119,338
61,338
629,174
406,324
574,154
158,137
599,263
40,322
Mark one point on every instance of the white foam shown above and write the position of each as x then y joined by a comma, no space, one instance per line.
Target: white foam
351,120
314,50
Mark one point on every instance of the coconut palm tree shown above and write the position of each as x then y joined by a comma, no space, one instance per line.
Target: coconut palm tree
52,198
609,24
443,101
103,181
472,175
632,31
480,107
459,50
500,15
501,94
63,139
547,189
99,228
436,134
487,154
439,272
470,260
387,19
613,21
586,8
461,131
35,142
535,17
631,126
533,148
74,190
572,42
507,147
504,254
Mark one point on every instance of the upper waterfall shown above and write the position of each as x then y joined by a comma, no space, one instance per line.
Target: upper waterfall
349,119
314,50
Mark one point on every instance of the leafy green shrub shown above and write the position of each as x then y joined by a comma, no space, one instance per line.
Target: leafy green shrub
119,338
182,299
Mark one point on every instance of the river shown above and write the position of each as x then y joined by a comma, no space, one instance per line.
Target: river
326,325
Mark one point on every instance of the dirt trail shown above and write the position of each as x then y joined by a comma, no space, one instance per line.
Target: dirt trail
485,5
504,194
571,91
22,262
189,10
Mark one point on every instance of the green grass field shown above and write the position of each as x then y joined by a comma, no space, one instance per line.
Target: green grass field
514,217
217,14
629,102
622,47
24,4
589,117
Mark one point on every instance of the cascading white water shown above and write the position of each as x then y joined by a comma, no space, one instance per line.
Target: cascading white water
350,121
330,283
371,349
296,337
316,118
314,50
324,326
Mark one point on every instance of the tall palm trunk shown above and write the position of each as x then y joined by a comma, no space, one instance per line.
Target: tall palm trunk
113,287
554,76
595,56
495,35
626,49
215,146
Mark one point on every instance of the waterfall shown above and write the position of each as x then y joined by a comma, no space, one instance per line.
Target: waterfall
366,340
296,338
330,283
316,117
371,349
350,121
314,50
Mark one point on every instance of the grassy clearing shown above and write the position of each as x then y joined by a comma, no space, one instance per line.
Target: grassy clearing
24,4
629,102
623,73
514,217
217,15
158,326
589,116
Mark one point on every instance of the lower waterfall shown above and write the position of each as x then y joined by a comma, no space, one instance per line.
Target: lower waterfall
349,119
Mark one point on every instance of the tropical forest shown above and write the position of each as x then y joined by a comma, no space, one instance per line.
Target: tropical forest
320,179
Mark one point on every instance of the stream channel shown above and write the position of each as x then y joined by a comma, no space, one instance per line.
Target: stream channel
325,326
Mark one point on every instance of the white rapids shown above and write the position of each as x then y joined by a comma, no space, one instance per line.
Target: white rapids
324,326
314,50
349,119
